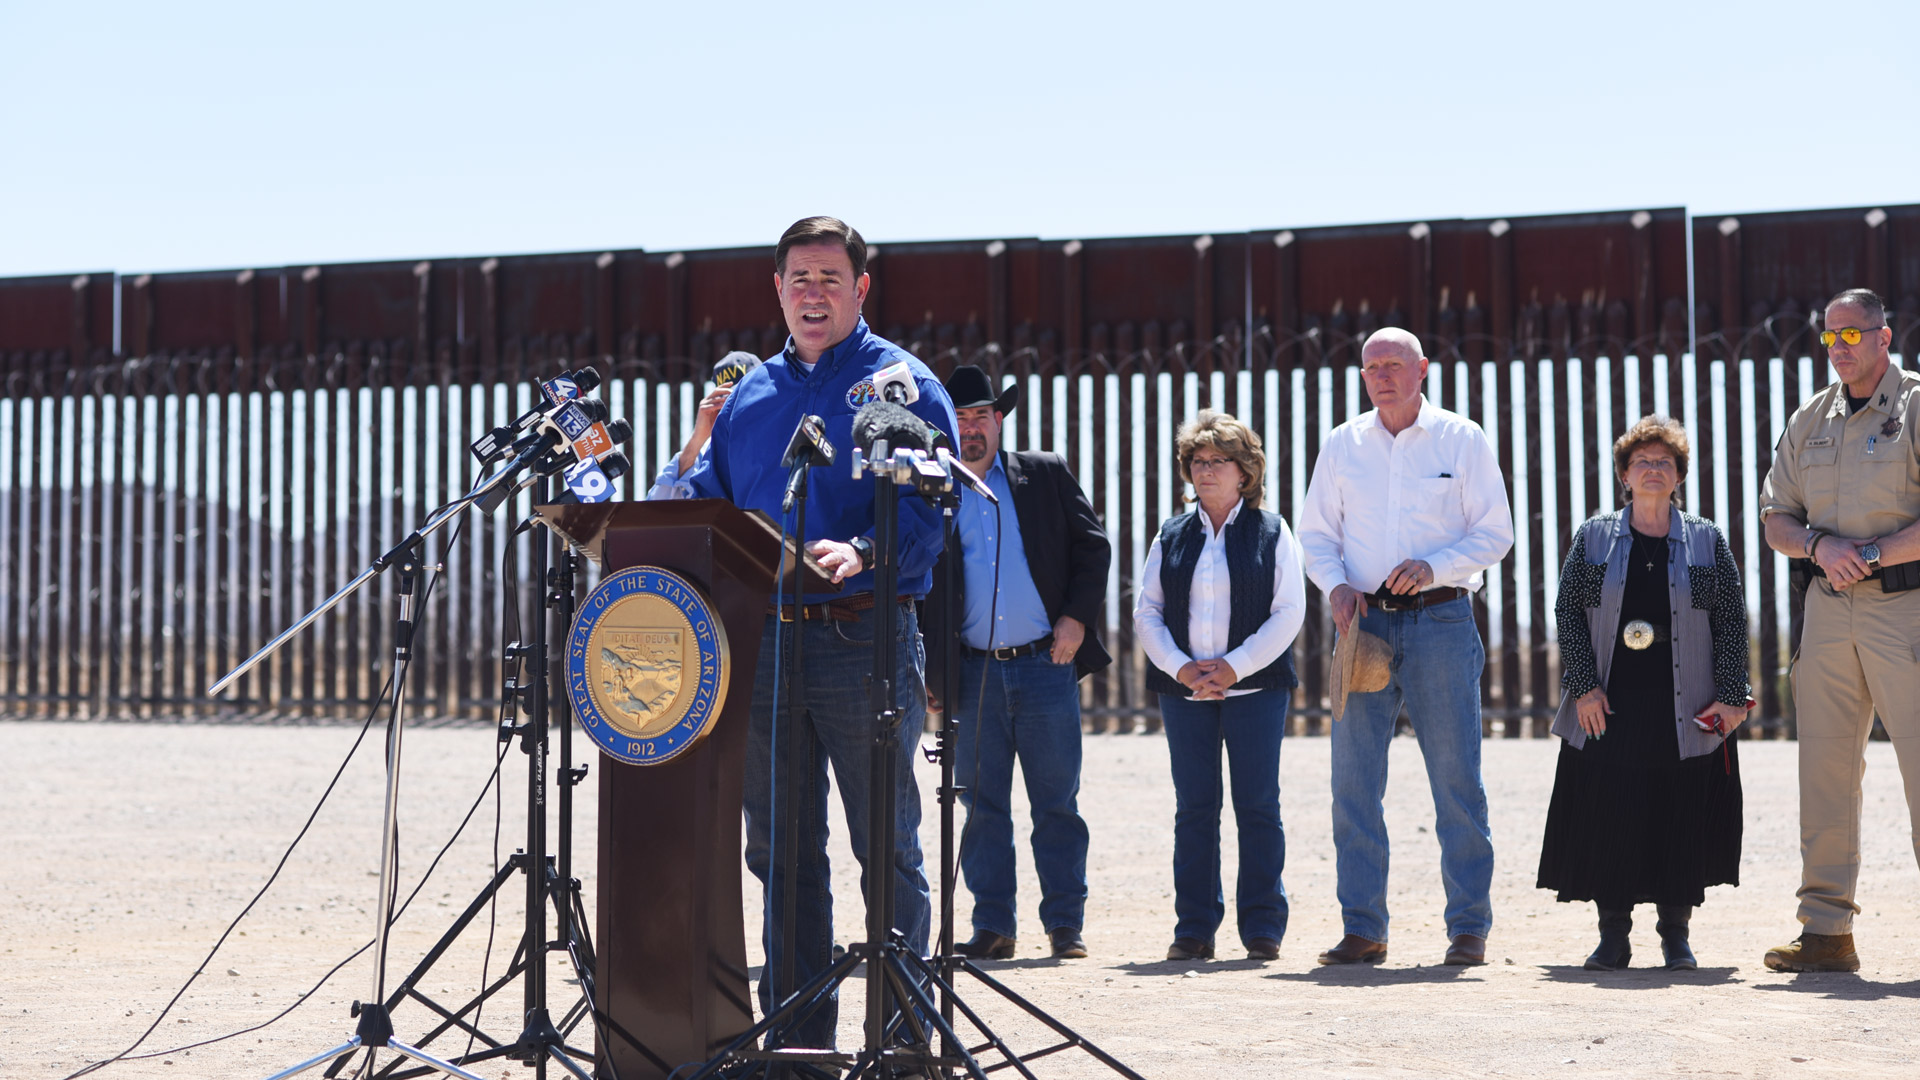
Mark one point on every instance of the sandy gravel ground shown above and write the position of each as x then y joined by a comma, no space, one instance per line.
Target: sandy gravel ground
130,847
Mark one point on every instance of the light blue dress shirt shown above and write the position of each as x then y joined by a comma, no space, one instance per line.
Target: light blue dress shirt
987,533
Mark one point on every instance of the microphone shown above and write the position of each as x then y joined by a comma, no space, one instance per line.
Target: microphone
591,481
554,392
807,448
895,383
733,367
884,421
974,483
569,432
809,444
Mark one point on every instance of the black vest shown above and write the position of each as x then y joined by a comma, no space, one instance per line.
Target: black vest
1251,538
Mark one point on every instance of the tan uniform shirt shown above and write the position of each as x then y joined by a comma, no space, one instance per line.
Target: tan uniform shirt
1852,476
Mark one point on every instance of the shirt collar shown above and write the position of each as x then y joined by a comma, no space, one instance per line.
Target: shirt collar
1423,419
1206,523
1884,399
1623,526
831,358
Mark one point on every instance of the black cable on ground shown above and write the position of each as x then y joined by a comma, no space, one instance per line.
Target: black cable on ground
128,1054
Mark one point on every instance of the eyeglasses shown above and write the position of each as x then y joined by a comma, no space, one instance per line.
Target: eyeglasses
1664,464
1849,334
1208,464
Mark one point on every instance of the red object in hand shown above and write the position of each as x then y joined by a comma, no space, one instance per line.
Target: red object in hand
1710,721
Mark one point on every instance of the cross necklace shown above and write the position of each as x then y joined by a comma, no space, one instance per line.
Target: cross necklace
1657,541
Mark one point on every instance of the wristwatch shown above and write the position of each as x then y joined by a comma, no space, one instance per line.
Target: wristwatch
863,547
1871,553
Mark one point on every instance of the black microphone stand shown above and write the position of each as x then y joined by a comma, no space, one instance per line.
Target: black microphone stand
947,639
549,873
902,1016
791,723
374,1032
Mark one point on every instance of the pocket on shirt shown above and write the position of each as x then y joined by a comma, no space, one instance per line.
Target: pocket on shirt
1431,490
1883,476
1702,586
1817,456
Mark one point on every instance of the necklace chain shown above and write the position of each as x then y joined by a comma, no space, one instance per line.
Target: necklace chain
1652,551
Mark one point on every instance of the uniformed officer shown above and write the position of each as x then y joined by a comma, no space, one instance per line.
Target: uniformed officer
1844,492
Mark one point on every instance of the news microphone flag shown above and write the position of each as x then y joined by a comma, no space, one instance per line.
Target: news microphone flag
588,482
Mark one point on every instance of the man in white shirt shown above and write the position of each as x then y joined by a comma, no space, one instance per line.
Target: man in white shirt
1405,512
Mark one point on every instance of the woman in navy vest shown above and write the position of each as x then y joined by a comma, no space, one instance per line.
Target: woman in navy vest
1221,599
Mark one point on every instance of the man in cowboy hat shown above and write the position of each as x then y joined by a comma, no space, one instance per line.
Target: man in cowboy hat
1035,578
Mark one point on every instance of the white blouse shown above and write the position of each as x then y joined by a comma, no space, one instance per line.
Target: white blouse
1210,606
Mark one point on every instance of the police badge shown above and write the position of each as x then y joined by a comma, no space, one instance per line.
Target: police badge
647,665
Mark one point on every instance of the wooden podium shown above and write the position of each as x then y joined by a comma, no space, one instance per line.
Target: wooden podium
670,948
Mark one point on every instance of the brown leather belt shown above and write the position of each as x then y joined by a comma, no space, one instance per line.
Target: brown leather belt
1414,601
845,609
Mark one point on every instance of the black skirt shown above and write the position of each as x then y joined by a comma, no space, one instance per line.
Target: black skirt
1630,821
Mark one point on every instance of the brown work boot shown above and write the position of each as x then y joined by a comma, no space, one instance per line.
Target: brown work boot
1815,952
1354,949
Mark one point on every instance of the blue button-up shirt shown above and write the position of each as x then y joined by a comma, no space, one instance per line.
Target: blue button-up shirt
989,533
742,462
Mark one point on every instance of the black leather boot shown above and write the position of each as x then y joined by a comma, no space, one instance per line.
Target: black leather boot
1614,951
1673,937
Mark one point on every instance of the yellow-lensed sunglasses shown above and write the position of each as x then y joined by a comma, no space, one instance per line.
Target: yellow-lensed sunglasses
1851,335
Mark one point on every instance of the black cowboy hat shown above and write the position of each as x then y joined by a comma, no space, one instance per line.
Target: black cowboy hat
970,388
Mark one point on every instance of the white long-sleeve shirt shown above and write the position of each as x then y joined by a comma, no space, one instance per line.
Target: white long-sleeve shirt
1210,605
1434,493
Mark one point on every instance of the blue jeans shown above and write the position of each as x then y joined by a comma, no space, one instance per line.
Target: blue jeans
1250,727
836,658
1437,661
1031,709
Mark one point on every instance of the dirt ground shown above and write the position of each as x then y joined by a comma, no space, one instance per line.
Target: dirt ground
131,846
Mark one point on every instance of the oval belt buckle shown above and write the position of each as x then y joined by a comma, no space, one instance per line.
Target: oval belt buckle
1637,634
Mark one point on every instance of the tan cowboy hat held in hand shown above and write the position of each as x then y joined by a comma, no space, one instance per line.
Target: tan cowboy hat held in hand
1361,664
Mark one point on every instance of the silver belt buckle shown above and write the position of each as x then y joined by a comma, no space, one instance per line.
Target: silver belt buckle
1637,635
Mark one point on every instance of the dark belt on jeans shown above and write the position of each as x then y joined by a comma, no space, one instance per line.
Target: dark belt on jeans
1015,652
845,609
1414,602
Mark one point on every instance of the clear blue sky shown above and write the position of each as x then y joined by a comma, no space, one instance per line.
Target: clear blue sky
199,135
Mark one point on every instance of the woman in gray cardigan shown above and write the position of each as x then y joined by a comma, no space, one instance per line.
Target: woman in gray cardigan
1653,651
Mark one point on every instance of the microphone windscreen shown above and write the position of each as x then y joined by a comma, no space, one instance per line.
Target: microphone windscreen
883,420
733,367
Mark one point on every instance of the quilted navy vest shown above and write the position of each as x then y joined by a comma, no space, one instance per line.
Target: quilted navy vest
1251,538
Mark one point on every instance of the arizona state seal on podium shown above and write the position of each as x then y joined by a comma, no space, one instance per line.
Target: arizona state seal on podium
647,665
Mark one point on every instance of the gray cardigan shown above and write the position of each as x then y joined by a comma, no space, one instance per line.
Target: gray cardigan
1707,616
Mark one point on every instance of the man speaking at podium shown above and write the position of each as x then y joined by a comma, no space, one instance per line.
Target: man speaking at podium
826,370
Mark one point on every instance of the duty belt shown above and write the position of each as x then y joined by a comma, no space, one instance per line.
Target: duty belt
1387,601
1821,571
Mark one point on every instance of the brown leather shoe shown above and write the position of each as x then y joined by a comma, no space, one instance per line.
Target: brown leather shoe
1467,950
1815,952
986,945
1263,948
1186,948
1067,943
1354,949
